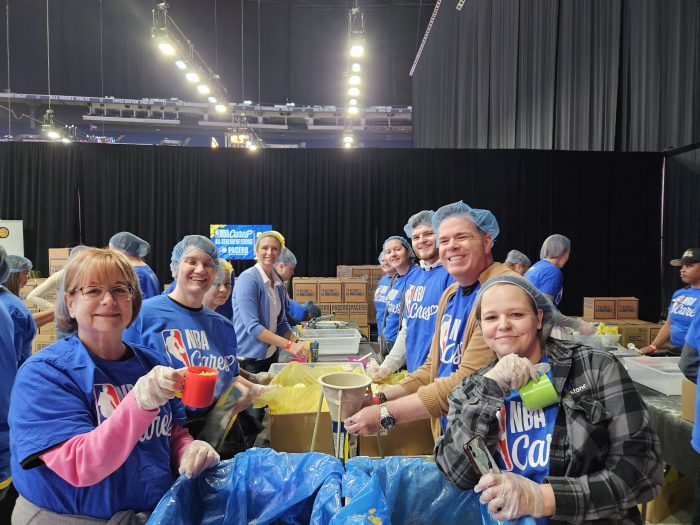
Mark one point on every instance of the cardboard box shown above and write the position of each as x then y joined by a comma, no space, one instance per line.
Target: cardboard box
676,494
330,290
354,290
364,330
42,341
635,331
305,289
58,258
293,432
688,400
599,307
627,308
377,274
363,271
358,313
409,439
48,329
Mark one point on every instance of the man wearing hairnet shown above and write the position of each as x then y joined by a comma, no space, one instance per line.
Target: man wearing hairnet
517,261
546,274
135,249
296,312
465,238
421,296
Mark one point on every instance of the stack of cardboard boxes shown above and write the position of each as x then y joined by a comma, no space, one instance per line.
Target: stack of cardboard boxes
370,273
346,297
622,312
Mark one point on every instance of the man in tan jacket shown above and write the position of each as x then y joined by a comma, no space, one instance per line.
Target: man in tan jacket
465,238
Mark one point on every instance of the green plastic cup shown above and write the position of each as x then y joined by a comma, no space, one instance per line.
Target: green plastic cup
538,394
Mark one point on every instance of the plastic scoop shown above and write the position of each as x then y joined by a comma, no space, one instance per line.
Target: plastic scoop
200,384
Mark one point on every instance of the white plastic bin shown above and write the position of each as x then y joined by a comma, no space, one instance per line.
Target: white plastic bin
334,342
659,373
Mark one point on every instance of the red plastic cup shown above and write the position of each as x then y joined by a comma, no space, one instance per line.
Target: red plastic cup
200,383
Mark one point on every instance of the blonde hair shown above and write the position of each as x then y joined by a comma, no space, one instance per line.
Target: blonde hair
98,264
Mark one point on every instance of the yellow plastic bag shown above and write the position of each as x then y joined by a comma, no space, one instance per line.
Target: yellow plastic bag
300,390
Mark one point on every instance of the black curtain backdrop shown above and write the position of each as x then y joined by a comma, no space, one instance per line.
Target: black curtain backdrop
270,51
681,214
337,207
596,75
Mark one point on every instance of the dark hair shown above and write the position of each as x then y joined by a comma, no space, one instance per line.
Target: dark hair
12,283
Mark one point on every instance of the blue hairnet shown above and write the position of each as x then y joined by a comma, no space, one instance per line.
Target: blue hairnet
189,243
130,243
541,301
403,241
286,257
554,246
18,263
421,218
382,255
516,257
4,266
482,219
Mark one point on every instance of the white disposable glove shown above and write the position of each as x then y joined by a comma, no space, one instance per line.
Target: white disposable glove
157,387
198,457
512,371
258,390
263,378
378,372
510,496
587,328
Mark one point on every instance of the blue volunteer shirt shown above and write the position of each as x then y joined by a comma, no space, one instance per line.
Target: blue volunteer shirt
422,295
24,325
393,304
189,337
524,438
684,305
380,293
150,287
693,340
64,391
547,278
8,370
452,325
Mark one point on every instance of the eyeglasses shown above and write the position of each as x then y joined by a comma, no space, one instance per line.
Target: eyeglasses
95,293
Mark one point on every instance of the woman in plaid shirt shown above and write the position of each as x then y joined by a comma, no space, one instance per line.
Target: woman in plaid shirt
590,458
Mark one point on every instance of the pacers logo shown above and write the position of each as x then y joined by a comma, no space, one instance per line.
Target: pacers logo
4,232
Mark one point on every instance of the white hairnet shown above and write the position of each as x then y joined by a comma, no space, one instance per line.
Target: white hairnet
482,219
17,263
130,243
554,246
516,257
75,250
189,243
421,218
382,255
286,257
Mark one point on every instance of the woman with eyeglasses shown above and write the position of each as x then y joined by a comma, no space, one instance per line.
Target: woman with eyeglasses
96,432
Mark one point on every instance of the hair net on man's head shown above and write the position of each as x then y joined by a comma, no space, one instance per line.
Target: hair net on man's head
516,257
554,246
403,241
4,266
541,301
382,256
482,219
18,263
130,243
286,257
421,218
270,233
189,243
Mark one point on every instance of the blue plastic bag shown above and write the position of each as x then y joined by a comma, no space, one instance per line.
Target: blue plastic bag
406,491
259,486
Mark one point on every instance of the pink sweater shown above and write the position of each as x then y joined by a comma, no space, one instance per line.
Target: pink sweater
87,459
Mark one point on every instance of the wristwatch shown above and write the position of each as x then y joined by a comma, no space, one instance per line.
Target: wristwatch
386,420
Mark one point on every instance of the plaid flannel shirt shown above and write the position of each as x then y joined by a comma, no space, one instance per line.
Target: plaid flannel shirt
604,456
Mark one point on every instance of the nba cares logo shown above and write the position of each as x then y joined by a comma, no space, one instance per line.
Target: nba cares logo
107,398
172,339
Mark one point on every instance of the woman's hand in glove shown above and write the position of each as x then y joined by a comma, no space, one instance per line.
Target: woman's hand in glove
378,372
509,496
512,371
157,387
198,457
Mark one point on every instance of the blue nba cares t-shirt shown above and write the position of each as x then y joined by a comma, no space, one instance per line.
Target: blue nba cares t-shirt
64,391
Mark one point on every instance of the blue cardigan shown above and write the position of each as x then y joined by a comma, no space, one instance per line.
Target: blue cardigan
251,309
